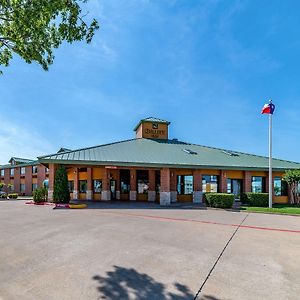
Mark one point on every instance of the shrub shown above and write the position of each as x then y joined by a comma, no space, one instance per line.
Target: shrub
255,199
219,200
204,199
3,195
13,196
40,195
61,192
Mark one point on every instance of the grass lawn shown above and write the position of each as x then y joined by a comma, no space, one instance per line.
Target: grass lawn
277,209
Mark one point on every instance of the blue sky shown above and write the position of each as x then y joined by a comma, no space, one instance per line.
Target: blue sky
206,66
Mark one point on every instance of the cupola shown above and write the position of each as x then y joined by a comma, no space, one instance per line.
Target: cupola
152,128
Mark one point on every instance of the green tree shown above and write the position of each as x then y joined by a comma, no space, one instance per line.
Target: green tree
61,192
33,28
292,177
2,185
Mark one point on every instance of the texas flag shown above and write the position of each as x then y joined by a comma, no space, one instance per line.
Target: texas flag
268,109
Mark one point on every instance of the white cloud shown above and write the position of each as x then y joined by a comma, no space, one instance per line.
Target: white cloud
17,140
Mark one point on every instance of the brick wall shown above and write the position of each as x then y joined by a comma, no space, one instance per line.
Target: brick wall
223,181
41,175
247,182
28,180
17,180
165,180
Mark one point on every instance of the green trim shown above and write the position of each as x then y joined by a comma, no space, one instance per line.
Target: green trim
155,165
33,163
151,120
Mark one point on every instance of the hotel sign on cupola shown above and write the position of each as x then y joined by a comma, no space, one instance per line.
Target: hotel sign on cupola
152,130
155,131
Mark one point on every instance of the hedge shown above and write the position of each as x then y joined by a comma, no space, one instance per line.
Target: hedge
219,200
13,196
255,199
40,195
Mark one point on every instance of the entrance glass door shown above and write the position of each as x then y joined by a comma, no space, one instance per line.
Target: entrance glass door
113,189
234,186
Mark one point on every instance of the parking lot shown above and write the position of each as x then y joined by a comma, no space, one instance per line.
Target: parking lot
140,251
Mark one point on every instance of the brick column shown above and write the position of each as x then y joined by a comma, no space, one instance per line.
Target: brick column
133,185
165,193
76,184
173,185
223,182
41,175
28,181
52,169
151,190
105,193
6,179
197,193
247,182
17,180
89,190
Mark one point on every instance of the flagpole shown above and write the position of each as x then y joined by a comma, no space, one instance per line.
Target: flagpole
270,161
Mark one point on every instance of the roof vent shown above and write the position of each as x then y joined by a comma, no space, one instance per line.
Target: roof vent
230,153
189,151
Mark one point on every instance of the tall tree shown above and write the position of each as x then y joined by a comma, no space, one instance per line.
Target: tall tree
292,177
61,192
33,28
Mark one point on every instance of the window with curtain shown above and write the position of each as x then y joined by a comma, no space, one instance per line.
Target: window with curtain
210,183
142,181
97,184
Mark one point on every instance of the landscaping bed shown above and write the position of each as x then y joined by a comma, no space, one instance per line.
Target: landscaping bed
287,209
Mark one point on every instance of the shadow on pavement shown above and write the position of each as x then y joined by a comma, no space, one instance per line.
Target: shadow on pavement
127,283
137,205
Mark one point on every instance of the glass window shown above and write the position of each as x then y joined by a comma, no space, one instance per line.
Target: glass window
22,171
34,186
97,184
12,172
157,182
210,183
71,186
34,169
258,184
280,187
142,181
184,184
229,190
125,181
82,186
2,172
46,183
22,187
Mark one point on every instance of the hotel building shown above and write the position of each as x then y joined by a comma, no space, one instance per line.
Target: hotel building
150,167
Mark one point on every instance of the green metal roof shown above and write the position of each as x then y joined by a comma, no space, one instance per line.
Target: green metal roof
63,150
151,119
168,153
31,163
19,160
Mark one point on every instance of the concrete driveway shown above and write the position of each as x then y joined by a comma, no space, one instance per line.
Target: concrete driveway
138,251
